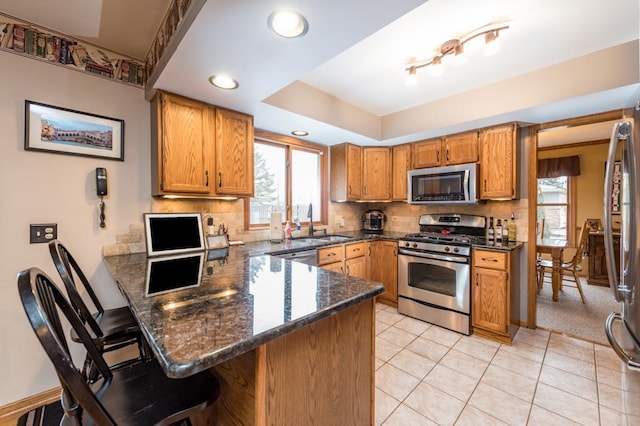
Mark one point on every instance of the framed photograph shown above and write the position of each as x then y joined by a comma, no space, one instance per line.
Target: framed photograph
594,224
64,131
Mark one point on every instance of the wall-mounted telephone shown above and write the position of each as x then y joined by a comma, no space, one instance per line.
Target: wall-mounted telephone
101,181
101,191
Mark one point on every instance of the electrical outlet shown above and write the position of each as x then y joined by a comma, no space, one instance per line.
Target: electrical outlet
42,233
342,222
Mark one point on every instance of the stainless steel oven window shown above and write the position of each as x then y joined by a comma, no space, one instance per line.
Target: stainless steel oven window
435,278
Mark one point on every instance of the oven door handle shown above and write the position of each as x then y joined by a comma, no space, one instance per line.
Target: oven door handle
457,259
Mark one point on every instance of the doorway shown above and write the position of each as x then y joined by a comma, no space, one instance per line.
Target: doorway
588,138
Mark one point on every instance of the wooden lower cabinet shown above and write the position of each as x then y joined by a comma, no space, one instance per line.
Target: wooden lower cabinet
598,270
355,263
371,260
383,268
495,309
350,259
335,266
312,376
356,267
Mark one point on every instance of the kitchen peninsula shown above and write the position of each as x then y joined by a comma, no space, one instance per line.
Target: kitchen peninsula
290,343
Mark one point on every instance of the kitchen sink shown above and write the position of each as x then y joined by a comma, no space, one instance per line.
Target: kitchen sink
323,238
307,240
332,238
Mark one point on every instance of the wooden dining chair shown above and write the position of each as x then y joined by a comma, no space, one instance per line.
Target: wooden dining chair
569,269
111,329
140,394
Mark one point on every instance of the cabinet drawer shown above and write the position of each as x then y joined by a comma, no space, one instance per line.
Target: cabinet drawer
330,254
490,259
355,250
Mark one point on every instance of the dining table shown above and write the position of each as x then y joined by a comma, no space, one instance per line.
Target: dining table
555,248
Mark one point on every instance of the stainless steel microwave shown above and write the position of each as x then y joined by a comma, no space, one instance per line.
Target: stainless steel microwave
443,185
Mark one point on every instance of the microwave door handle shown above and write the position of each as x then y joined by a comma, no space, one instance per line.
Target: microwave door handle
466,184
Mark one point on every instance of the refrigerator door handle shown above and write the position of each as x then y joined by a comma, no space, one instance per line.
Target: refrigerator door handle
608,221
608,329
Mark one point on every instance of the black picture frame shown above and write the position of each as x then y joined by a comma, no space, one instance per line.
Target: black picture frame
61,130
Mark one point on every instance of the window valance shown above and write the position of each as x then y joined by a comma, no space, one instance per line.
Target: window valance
562,166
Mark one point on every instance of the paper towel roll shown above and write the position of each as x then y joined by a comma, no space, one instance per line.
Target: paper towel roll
276,227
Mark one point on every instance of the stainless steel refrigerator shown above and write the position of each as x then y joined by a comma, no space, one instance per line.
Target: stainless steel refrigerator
621,189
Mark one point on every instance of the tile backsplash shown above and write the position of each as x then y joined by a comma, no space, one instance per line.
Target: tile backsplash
401,217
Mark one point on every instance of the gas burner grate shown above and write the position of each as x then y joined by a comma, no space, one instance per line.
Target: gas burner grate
444,238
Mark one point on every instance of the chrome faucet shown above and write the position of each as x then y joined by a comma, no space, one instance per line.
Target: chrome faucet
310,216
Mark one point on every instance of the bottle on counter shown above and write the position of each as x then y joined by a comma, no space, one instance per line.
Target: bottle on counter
490,231
512,228
287,231
505,231
498,231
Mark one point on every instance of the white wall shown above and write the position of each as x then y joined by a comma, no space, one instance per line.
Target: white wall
42,187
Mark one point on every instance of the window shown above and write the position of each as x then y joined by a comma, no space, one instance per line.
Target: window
555,198
289,176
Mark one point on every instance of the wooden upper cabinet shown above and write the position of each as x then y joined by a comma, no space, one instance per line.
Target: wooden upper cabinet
400,165
453,149
427,153
234,153
198,150
182,139
346,172
376,173
498,158
461,148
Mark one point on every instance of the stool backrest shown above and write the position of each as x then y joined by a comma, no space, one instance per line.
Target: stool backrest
42,301
72,275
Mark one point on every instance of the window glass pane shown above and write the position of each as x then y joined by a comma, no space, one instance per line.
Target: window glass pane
305,184
552,190
555,222
553,207
270,188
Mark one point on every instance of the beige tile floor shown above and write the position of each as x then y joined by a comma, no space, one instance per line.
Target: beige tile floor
427,375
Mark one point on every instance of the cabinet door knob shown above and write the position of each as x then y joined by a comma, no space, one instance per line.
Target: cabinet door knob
220,179
206,175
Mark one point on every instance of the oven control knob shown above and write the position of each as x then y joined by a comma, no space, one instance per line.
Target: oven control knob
407,244
415,245
456,250
447,249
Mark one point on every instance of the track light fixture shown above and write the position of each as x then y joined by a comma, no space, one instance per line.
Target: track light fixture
455,47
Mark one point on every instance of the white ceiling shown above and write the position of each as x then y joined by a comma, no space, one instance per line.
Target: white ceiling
345,80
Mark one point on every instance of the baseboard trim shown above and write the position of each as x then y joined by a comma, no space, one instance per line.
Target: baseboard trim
9,413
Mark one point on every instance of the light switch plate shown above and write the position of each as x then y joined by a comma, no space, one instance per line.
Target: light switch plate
42,233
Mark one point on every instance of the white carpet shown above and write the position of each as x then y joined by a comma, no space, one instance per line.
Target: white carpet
570,316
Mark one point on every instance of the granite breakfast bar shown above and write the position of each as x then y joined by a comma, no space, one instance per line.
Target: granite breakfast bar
290,343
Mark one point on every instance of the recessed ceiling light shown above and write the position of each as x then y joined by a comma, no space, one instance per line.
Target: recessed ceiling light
299,133
223,82
288,23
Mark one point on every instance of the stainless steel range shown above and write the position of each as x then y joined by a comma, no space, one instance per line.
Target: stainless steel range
434,270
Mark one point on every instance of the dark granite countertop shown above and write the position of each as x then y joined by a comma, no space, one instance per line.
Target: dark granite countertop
510,246
243,301
288,246
305,243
